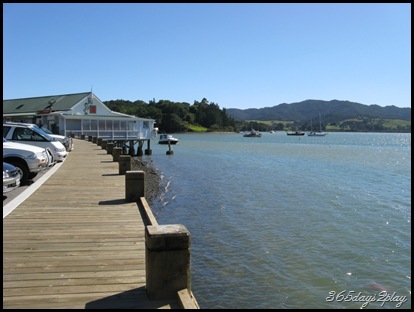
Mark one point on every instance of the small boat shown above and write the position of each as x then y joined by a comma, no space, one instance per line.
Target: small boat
296,132
252,134
167,139
313,133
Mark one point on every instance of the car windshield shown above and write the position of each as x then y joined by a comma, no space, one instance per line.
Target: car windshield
46,130
43,133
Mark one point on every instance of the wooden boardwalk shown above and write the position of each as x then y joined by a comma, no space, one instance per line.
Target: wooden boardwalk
75,243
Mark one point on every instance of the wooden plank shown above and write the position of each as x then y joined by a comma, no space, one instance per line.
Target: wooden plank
187,299
75,242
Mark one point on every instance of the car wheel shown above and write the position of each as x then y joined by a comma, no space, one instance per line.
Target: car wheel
23,170
32,175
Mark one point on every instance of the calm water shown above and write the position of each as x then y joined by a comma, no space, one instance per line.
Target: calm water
281,221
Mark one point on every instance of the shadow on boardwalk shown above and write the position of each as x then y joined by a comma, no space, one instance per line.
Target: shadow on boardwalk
131,299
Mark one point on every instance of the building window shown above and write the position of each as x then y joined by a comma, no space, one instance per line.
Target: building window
146,125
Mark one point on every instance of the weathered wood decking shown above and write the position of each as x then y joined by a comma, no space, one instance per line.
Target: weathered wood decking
75,242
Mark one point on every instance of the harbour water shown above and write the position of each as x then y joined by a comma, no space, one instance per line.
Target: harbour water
292,222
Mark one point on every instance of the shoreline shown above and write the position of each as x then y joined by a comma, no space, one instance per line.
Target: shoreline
152,178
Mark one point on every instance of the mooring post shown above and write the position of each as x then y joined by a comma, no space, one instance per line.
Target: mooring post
103,144
169,152
167,260
134,185
124,163
110,147
116,152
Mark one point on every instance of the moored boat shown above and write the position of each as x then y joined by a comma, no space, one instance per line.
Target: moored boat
252,134
296,132
317,133
167,139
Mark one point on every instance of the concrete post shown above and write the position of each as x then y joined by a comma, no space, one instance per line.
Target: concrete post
109,147
124,163
82,137
89,138
134,185
124,150
116,152
103,144
131,148
148,151
139,151
170,151
167,260
99,141
94,139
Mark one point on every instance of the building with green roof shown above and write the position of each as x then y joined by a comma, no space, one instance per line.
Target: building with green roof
78,114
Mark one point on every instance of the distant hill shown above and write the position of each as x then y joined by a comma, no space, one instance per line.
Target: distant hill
332,111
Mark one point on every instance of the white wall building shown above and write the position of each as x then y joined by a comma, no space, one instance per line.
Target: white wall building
78,114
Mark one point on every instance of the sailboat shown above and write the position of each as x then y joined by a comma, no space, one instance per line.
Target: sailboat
317,133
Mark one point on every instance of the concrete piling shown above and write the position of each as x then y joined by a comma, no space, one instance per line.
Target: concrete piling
134,185
167,260
148,151
170,151
124,163
110,147
116,152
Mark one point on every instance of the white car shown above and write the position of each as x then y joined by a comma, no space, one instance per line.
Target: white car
30,134
28,159
66,141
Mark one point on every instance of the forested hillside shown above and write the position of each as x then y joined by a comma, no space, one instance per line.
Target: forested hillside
173,117
336,115
333,111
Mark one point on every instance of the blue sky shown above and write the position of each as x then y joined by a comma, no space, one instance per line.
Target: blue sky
235,55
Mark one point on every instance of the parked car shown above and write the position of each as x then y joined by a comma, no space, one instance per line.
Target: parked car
11,177
28,159
66,141
30,134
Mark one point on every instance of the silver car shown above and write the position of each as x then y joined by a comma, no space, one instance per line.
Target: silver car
11,177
